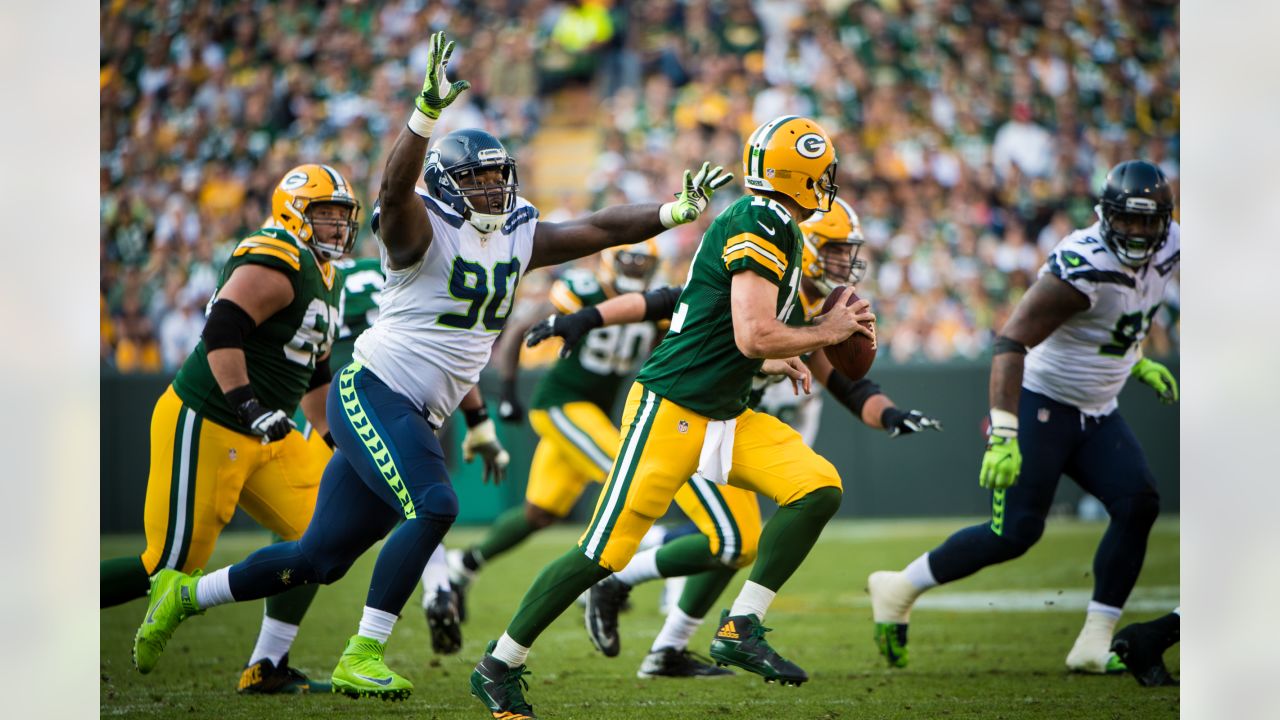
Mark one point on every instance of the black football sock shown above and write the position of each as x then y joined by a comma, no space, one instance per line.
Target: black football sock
121,580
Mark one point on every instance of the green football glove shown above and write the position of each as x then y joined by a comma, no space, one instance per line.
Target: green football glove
431,102
696,195
1159,378
1002,461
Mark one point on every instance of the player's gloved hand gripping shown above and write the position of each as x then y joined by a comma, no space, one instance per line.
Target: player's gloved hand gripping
482,439
572,328
696,195
1159,378
899,422
1003,461
437,92
270,425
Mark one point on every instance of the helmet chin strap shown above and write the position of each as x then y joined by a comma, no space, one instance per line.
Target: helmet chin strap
485,222
624,284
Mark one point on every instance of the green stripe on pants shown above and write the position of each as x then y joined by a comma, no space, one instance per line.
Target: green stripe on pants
615,489
997,512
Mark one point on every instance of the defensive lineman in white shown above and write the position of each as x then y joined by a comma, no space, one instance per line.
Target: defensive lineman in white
1084,320
452,257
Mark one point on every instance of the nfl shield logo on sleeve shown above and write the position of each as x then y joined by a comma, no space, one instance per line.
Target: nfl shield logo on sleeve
683,426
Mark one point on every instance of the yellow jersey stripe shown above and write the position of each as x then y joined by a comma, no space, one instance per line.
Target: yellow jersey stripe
747,251
250,250
272,242
563,298
761,244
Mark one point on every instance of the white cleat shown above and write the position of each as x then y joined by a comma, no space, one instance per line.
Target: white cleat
1092,651
459,575
892,596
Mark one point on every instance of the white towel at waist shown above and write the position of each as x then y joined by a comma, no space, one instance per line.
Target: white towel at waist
716,459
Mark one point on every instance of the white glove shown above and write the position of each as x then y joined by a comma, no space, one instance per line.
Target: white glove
483,439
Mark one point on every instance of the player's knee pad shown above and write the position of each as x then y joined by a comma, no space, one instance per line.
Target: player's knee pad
537,517
823,502
441,503
1139,510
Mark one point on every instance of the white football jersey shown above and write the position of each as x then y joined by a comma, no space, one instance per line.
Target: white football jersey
802,412
438,319
1086,360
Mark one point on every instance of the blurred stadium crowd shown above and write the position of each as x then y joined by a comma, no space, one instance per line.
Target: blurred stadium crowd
972,134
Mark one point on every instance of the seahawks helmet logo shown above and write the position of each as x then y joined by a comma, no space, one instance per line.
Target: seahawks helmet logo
811,145
293,181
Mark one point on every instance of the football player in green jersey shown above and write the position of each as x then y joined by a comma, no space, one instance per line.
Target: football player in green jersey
728,516
573,404
687,413
221,434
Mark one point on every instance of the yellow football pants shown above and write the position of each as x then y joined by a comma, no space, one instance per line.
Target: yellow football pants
201,470
575,447
659,453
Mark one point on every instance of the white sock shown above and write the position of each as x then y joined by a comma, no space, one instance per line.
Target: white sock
274,640
676,631
656,536
214,589
1097,608
642,568
510,652
435,576
919,574
754,599
1178,611
377,624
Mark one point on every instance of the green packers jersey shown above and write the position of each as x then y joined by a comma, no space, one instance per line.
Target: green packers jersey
698,364
281,352
596,368
761,382
362,283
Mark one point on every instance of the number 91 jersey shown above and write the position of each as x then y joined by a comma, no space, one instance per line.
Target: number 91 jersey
438,319
596,368
1086,361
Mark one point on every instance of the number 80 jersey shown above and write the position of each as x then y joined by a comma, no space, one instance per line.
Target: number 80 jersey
438,319
1086,361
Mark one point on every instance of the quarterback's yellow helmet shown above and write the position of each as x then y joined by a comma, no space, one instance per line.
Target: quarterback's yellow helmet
314,184
630,268
838,226
792,155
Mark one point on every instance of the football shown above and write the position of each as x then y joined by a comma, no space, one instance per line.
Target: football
854,355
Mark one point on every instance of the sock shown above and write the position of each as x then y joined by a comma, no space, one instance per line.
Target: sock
790,534
1177,611
754,599
274,640
701,591
377,624
919,574
509,530
686,555
642,568
552,592
472,559
676,631
435,576
214,589
121,580
510,652
1097,608
657,535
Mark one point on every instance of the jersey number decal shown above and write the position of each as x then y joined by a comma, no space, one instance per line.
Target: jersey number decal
1130,328
614,350
469,282
315,334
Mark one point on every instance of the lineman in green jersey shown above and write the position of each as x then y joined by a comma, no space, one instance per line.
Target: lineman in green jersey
687,413
573,404
221,434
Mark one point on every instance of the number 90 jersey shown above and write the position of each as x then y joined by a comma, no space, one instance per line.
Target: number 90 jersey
1086,361
438,319
606,357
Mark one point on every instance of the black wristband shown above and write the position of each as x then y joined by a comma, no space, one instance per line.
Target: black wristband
227,326
239,396
1007,345
476,416
659,304
852,394
328,440
321,375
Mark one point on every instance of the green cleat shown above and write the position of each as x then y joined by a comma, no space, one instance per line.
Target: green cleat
172,599
362,673
891,639
501,688
740,642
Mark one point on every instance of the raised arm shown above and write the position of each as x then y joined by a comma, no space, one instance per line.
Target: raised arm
404,228
555,243
760,334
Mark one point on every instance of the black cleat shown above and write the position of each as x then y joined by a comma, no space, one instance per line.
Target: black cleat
740,642
266,678
501,688
604,601
444,623
669,662
1141,646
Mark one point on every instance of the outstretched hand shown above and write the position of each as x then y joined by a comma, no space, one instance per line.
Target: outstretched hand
431,101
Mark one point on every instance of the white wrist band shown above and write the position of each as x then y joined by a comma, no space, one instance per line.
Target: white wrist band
1004,420
420,124
666,215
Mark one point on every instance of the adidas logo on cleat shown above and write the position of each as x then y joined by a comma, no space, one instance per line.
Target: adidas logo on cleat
728,632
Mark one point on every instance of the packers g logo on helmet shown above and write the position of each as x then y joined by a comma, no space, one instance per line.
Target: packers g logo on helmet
792,155
308,185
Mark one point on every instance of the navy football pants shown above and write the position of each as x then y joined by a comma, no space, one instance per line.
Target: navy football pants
388,468
1103,457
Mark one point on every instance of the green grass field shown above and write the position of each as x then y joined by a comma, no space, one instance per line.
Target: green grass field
990,646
